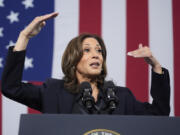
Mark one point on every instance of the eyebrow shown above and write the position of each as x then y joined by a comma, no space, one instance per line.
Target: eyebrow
89,44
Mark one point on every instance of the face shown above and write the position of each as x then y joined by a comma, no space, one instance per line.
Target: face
92,59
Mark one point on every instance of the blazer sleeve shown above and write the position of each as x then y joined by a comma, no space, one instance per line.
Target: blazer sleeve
160,92
13,88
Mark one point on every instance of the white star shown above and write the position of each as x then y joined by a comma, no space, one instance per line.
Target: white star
28,63
1,65
1,3
11,43
28,3
13,17
24,81
1,31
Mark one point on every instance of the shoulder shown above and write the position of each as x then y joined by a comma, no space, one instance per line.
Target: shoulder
123,91
52,82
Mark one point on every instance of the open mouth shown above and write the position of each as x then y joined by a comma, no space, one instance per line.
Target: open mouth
95,64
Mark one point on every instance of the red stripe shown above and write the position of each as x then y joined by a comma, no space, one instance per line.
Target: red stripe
0,110
176,33
90,16
30,110
137,32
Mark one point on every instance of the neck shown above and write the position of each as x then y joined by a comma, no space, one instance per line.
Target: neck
93,83
84,78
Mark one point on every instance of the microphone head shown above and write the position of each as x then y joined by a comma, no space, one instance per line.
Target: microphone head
111,99
86,93
85,86
109,88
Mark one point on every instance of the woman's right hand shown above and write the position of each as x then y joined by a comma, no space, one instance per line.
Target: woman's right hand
31,30
36,25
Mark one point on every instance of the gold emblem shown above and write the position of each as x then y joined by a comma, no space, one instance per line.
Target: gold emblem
101,132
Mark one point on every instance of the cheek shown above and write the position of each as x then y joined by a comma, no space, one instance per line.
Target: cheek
101,59
82,63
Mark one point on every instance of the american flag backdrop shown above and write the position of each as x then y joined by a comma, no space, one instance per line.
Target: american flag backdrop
123,24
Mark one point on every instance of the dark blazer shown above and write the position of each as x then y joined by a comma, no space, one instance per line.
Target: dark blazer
52,97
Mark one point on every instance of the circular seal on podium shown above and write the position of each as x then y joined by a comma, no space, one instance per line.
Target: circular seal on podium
101,132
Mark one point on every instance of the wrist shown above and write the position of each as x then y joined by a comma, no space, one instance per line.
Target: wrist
155,65
22,42
157,68
23,36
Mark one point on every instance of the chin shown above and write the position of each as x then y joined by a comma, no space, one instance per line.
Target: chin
95,73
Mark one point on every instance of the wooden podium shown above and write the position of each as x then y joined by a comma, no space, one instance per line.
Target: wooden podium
61,124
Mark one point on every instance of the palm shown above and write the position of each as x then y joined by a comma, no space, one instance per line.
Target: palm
145,52
36,25
141,52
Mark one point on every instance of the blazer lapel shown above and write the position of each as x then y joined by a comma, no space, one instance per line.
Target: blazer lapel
65,100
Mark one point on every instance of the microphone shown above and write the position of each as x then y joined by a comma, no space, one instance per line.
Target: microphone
87,98
111,98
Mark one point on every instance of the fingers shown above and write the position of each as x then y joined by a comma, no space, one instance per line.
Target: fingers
140,45
135,52
140,52
43,24
35,26
40,19
48,16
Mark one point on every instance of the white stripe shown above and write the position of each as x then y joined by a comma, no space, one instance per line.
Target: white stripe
11,112
114,35
161,36
66,28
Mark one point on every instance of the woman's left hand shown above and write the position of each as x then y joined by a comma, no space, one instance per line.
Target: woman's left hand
145,52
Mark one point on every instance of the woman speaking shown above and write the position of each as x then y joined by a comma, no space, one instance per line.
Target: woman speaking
83,88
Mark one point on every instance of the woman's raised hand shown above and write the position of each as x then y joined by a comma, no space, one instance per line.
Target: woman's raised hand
36,25
145,52
31,30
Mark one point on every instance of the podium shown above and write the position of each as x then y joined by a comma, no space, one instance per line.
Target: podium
63,124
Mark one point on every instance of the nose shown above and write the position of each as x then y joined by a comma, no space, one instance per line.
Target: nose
95,57
95,54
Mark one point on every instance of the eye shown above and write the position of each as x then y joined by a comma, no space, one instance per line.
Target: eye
86,50
99,50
